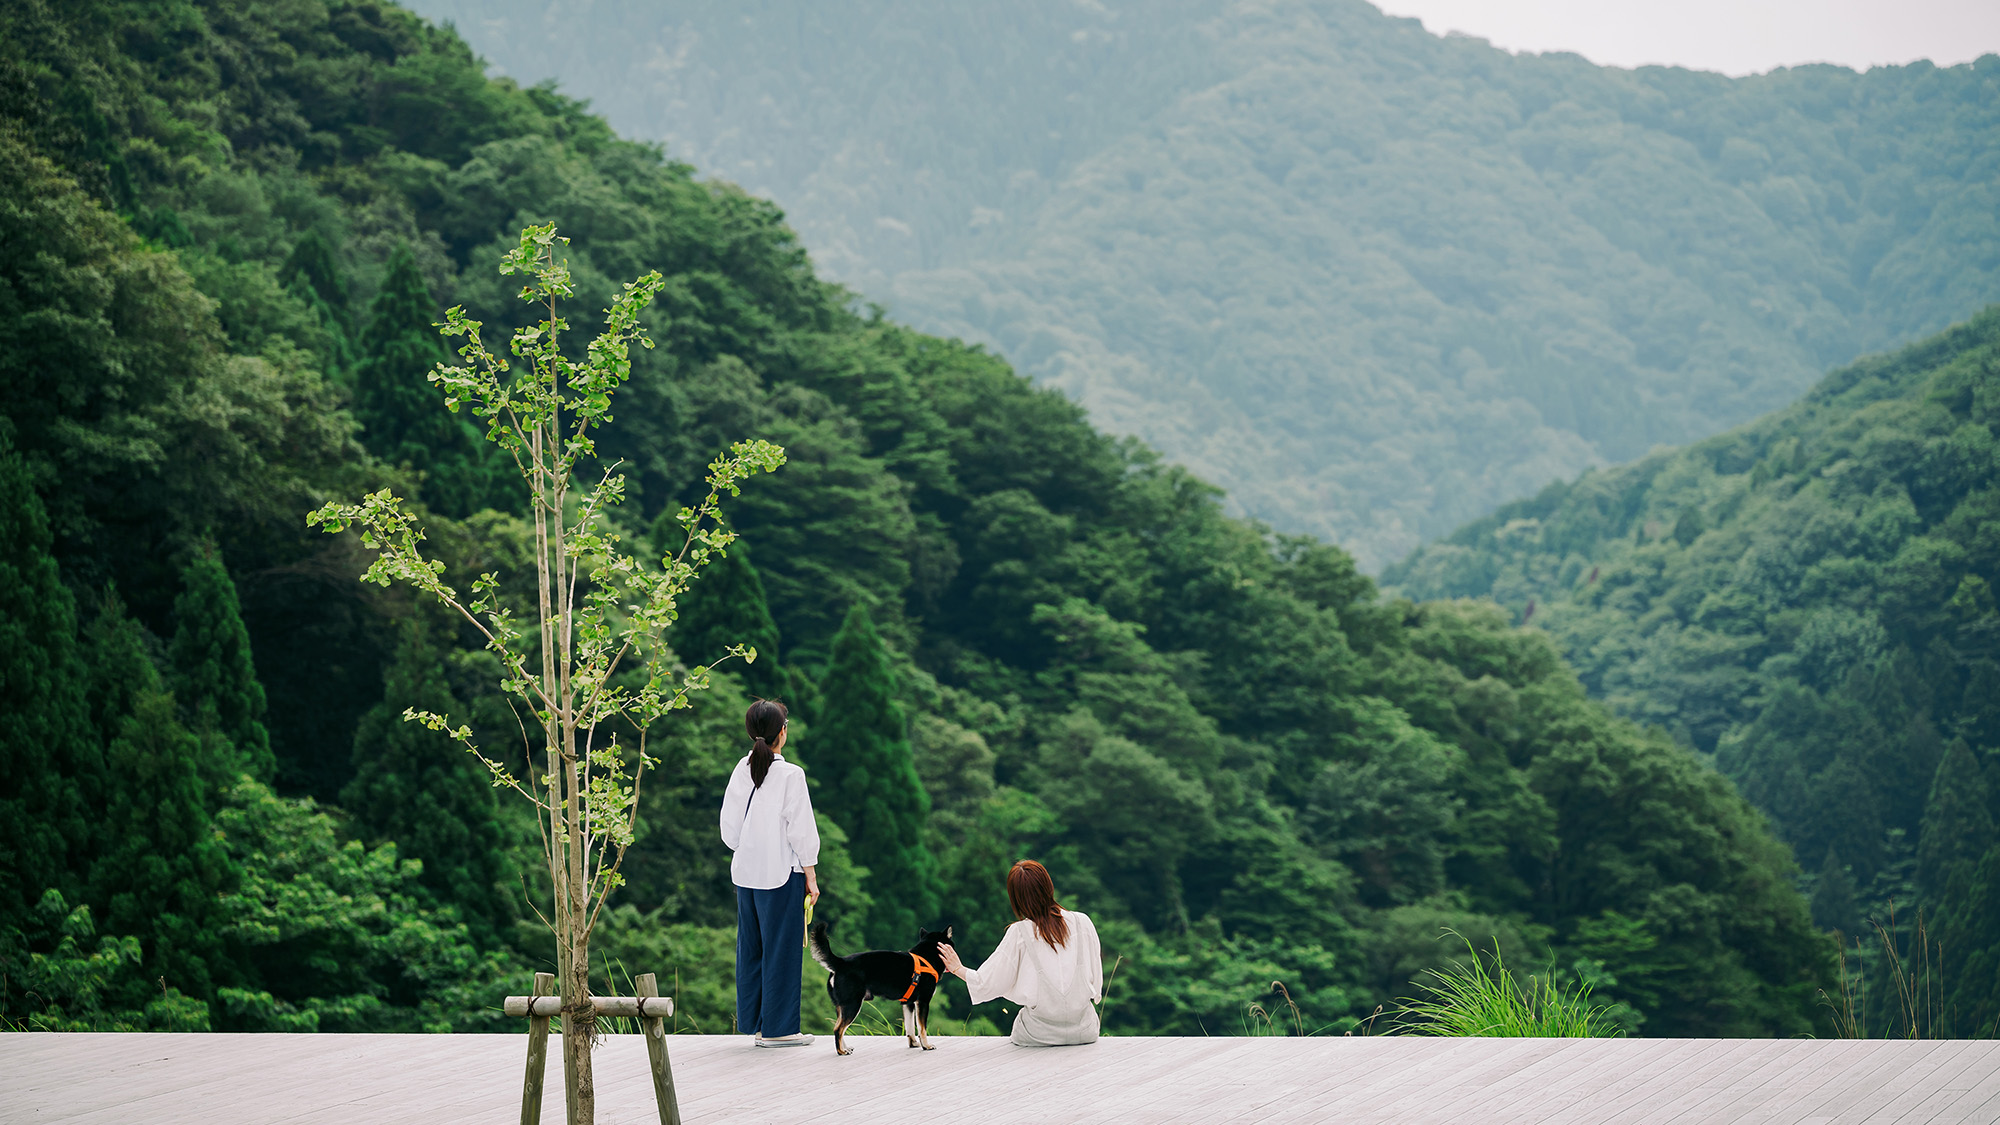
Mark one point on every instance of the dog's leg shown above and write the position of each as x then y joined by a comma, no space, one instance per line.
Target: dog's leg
910,1024
924,1023
840,1046
840,1021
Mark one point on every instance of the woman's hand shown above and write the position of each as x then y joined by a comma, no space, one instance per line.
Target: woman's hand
812,888
952,964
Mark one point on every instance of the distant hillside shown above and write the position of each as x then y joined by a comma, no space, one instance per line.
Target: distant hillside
1810,598
1371,281
230,228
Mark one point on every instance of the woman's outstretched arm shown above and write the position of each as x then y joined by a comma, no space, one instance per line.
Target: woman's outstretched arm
998,977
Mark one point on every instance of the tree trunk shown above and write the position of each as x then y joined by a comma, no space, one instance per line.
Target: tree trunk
578,1025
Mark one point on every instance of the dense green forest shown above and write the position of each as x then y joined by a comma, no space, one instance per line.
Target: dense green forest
227,229
1809,601
1372,281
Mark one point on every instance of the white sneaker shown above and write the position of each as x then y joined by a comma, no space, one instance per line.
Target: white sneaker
800,1039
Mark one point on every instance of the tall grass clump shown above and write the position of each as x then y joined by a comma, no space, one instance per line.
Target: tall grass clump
1908,967
1279,1019
1479,997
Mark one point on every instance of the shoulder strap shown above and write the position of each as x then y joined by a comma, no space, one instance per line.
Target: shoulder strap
919,969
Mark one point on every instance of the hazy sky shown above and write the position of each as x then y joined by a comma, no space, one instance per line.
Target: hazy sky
1732,36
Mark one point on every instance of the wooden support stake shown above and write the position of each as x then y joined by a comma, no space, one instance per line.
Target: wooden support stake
656,1051
538,1056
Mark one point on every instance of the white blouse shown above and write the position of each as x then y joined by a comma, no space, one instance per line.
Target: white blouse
769,827
1025,970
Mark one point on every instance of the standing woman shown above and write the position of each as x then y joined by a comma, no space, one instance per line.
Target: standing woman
767,820
1049,963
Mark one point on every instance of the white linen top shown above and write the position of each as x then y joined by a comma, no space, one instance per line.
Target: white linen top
1025,970
770,828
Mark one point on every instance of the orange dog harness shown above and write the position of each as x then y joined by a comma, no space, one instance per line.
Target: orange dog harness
919,968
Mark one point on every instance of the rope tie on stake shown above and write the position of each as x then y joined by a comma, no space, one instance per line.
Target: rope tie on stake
581,1014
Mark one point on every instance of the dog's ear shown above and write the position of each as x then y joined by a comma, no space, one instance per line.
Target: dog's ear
947,933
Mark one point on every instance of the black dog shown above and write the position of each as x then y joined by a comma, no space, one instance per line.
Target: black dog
910,979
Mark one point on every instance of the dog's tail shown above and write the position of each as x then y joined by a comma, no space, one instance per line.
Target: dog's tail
823,949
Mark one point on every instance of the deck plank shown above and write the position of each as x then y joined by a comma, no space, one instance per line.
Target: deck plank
1982,1094
1567,1079
1943,1069
1162,1088
442,1080
1919,1061
1716,1087
1288,1071
1832,1072
1317,1077
1418,1064
1777,1084
1883,1058
1650,1076
1476,1074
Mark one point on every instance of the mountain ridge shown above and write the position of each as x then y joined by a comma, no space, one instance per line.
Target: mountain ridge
1372,281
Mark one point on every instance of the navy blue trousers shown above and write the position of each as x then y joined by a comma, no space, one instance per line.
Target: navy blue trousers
770,931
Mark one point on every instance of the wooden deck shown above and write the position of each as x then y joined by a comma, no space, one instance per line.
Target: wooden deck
445,1079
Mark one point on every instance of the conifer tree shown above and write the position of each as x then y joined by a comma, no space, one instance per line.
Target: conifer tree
114,648
1967,929
214,679
415,786
860,749
1689,527
1958,875
48,757
312,258
162,868
1957,826
402,416
727,607
313,277
1833,897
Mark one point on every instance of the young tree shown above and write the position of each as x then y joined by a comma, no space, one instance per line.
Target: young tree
596,609
862,745
214,677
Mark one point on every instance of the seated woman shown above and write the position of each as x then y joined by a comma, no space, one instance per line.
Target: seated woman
1049,963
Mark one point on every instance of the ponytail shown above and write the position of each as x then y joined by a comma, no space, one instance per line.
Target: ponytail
765,723
761,755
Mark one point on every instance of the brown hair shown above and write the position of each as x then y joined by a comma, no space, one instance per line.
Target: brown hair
764,722
1032,894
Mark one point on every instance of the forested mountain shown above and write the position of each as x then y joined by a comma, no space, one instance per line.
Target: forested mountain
1372,281
228,228
1809,599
